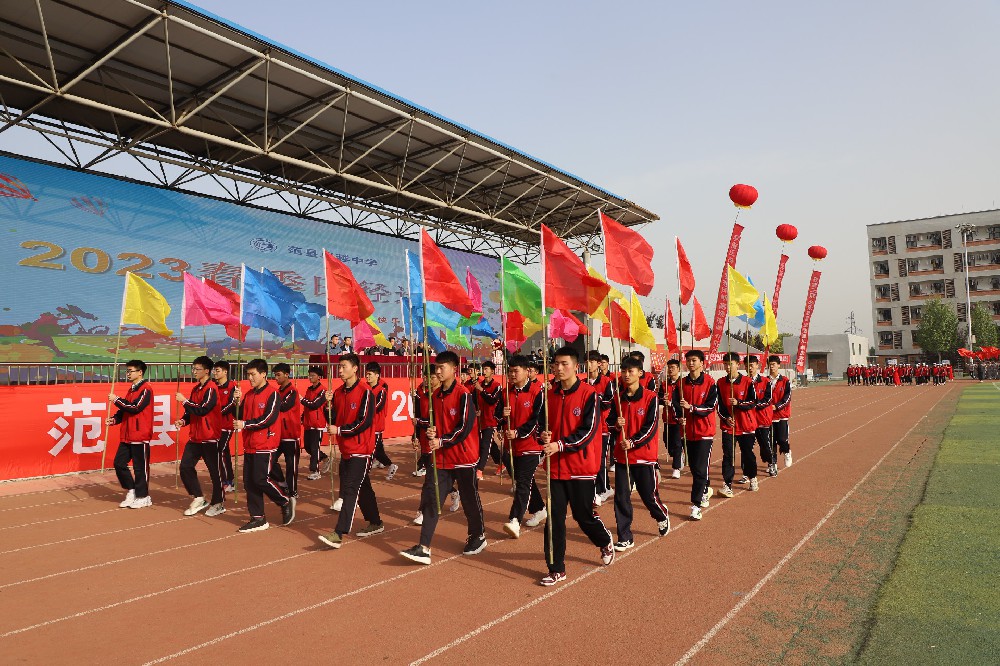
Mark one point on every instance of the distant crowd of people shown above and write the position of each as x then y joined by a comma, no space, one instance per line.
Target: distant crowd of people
898,374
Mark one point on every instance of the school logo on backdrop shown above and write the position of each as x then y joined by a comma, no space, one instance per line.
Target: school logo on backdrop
263,245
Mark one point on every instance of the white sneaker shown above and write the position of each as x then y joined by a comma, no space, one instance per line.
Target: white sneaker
607,494
215,510
338,504
788,459
513,528
456,501
695,513
129,498
141,502
537,519
420,472
325,464
726,491
229,488
314,476
197,504
392,471
707,496
754,486
377,465
597,499
419,520
676,474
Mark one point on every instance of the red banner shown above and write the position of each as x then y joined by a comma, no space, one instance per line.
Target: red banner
722,302
777,283
60,428
800,354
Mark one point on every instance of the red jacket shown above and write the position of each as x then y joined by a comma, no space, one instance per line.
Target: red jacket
642,420
135,413
381,393
487,399
703,396
745,414
765,413
667,389
354,414
573,419
525,413
259,409
203,413
781,399
314,407
455,423
420,421
605,390
291,412
227,404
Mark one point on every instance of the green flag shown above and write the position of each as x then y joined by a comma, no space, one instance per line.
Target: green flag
521,294
456,337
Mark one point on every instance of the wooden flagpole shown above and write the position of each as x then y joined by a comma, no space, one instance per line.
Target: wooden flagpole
427,372
177,433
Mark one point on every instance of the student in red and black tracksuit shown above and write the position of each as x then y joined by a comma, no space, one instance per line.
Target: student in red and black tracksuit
570,442
291,429
672,436
135,414
353,425
486,390
261,428
380,392
738,416
314,413
781,405
635,447
520,410
764,412
694,406
604,388
646,379
420,442
453,439
227,411
203,413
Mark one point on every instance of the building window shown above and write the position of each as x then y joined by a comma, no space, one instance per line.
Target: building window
913,339
938,287
915,311
995,283
881,267
879,244
993,232
996,307
884,315
882,291
937,263
914,289
973,284
885,338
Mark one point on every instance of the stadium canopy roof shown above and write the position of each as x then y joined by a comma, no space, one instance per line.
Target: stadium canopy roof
169,84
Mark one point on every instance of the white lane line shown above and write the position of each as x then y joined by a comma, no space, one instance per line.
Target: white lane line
517,611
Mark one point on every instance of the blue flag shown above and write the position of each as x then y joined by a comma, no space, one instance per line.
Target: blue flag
268,304
483,329
413,320
437,314
308,320
758,311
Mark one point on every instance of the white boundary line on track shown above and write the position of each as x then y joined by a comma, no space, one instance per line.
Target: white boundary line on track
534,602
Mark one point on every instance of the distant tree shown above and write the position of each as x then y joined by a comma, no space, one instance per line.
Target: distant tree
938,329
872,351
983,327
779,345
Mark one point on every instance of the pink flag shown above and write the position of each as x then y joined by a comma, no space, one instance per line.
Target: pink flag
363,336
565,326
204,305
475,293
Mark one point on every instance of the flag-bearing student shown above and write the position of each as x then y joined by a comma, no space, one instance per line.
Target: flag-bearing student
694,404
781,404
571,444
261,428
421,421
647,379
453,439
672,436
135,414
605,390
227,412
764,414
353,426
635,446
486,389
738,417
202,412
380,392
520,409
291,428
314,410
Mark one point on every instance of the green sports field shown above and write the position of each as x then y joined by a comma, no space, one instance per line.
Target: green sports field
941,605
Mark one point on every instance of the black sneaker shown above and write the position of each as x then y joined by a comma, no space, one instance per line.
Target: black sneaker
370,529
623,545
255,525
288,512
475,545
772,470
417,554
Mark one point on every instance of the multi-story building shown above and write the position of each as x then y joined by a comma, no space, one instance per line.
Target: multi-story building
913,261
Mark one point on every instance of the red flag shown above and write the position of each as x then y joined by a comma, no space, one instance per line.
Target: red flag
441,285
235,331
670,331
685,276
514,330
568,285
722,301
699,326
628,257
345,299
620,324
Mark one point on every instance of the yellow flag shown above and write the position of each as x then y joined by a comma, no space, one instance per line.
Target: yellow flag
144,306
638,328
613,295
769,332
531,327
742,294
380,338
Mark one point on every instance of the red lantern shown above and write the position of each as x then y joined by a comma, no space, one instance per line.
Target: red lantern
743,196
817,252
786,233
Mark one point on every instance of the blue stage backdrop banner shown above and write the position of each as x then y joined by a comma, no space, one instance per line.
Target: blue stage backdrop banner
70,238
